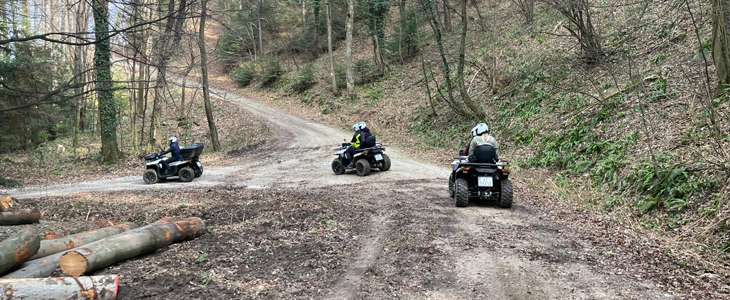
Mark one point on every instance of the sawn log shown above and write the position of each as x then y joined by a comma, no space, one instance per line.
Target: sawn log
61,288
132,243
6,203
25,216
53,246
18,248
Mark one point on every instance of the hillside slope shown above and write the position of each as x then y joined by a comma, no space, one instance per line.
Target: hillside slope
637,135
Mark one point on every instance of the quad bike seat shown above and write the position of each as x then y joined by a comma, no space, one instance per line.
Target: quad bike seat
485,154
192,151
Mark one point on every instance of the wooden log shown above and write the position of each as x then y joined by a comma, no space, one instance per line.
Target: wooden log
127,245
39,268
18,248
57,288
25,216
53,246
6,203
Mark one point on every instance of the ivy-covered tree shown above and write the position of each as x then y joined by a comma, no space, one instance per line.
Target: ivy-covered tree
103,81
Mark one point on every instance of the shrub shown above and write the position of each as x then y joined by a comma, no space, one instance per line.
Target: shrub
244,75
340,75
365,71
303,79
270,71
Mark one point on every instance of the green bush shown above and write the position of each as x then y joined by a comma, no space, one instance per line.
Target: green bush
270,71
244,75
303,79
365,71
340,75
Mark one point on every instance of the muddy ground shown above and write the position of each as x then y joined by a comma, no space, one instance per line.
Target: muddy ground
282,226
393,240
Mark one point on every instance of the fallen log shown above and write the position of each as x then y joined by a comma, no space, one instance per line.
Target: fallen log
25,216
39,268
18,248
96,287
6,203
132,243
53,246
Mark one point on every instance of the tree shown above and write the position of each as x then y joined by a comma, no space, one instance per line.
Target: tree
445,68
328,12
377,14
721,43
204,74
527,8
348,49
460,65
581,27
103,81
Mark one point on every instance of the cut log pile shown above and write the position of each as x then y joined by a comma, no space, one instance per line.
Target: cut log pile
27,262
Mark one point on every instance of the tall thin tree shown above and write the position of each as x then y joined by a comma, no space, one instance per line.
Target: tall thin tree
348,48
328,9
204,74
103,78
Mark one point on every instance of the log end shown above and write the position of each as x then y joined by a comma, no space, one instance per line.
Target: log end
73,263
6,203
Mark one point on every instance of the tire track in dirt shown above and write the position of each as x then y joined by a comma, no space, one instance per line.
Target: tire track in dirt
349,285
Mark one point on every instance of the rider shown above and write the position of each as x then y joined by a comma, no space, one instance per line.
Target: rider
361,133
174,154
481,136
465,152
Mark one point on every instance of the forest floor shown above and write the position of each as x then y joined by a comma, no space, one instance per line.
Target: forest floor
281,225
57,163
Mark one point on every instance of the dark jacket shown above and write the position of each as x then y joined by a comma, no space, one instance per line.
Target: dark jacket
174,150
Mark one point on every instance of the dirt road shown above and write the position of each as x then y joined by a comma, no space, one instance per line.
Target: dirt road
411,241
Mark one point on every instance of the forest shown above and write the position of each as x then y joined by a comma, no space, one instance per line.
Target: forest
613,107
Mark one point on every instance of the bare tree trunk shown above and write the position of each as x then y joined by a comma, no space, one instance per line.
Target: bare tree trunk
328,12
446,70
261,39
402,19
348,48
460,65
204,75
447,15
721,43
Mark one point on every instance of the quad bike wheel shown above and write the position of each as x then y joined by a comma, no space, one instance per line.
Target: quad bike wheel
199,172
186,174
451,185
150,176
362,167
337,166
505,195
461,192
386,163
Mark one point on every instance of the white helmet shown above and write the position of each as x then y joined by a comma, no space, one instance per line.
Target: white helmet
362,125
479,129
172,139
356,127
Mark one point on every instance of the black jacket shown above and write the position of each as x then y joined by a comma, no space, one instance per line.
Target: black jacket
174,149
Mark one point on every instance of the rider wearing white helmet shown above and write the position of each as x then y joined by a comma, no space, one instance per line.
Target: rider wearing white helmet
481,136
174,151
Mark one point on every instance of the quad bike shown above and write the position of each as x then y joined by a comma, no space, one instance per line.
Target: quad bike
486,178
364,160
186,169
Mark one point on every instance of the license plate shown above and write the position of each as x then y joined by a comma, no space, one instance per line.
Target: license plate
378,157
198,164
486,181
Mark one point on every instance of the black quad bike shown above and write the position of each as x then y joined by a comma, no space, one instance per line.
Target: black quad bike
365,159
186,169
486,178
